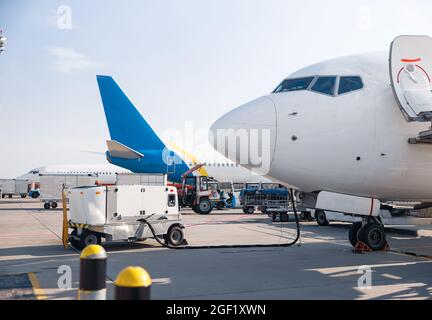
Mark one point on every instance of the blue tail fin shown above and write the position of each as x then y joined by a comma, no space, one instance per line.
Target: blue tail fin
126,124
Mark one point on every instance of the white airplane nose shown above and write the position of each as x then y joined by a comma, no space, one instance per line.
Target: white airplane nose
247,135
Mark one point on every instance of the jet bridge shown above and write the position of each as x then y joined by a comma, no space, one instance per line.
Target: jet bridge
410,74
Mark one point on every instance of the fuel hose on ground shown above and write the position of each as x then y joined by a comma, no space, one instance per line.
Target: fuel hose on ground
233,246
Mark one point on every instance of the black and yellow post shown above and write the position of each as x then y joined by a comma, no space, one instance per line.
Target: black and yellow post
65,228
93,262
133,283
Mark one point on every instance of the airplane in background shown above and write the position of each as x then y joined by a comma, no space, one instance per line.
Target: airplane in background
134,145
350,134
106,172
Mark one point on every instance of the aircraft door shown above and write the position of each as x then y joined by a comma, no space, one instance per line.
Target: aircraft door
410,73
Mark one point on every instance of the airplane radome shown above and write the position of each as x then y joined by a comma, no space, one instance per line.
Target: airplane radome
339,131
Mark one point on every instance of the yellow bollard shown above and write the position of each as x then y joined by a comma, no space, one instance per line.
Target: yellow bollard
133,283
93,261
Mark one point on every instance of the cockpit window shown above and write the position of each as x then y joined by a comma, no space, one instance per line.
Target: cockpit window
325,85
348,84
294,84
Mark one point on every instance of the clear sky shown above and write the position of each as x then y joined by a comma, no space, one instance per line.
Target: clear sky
184,63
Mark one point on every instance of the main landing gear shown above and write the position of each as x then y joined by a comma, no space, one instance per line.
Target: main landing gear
368,235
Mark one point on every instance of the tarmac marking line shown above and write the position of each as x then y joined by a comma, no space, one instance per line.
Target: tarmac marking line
38,291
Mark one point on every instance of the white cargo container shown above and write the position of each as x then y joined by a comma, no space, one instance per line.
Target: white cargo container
52,185
117,213
7,188
21,188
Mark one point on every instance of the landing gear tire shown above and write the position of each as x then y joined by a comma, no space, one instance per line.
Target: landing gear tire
373,235
284,217
353,233
54,205
321,218
88,238
205,207
175,236
47,206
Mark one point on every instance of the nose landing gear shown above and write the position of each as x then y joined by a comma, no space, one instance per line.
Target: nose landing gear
368,236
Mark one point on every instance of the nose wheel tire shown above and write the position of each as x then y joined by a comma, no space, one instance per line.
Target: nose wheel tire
353,233
321,218
373,235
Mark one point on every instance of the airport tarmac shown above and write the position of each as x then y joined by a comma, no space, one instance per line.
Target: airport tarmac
323,267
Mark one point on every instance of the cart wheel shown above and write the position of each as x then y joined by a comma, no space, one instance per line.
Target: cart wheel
205,207
284,217
87,238
23,196
10,196
47,206
175,236
54,205
250,210
74,243
274,216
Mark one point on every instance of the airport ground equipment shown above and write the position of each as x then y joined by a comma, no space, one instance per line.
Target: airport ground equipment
11,187
52,186
224,195
116,213
133,283
270,198
228,194
93,265
194,192
34,194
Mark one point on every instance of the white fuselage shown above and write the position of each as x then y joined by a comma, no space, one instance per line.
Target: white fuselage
355,143
106,173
